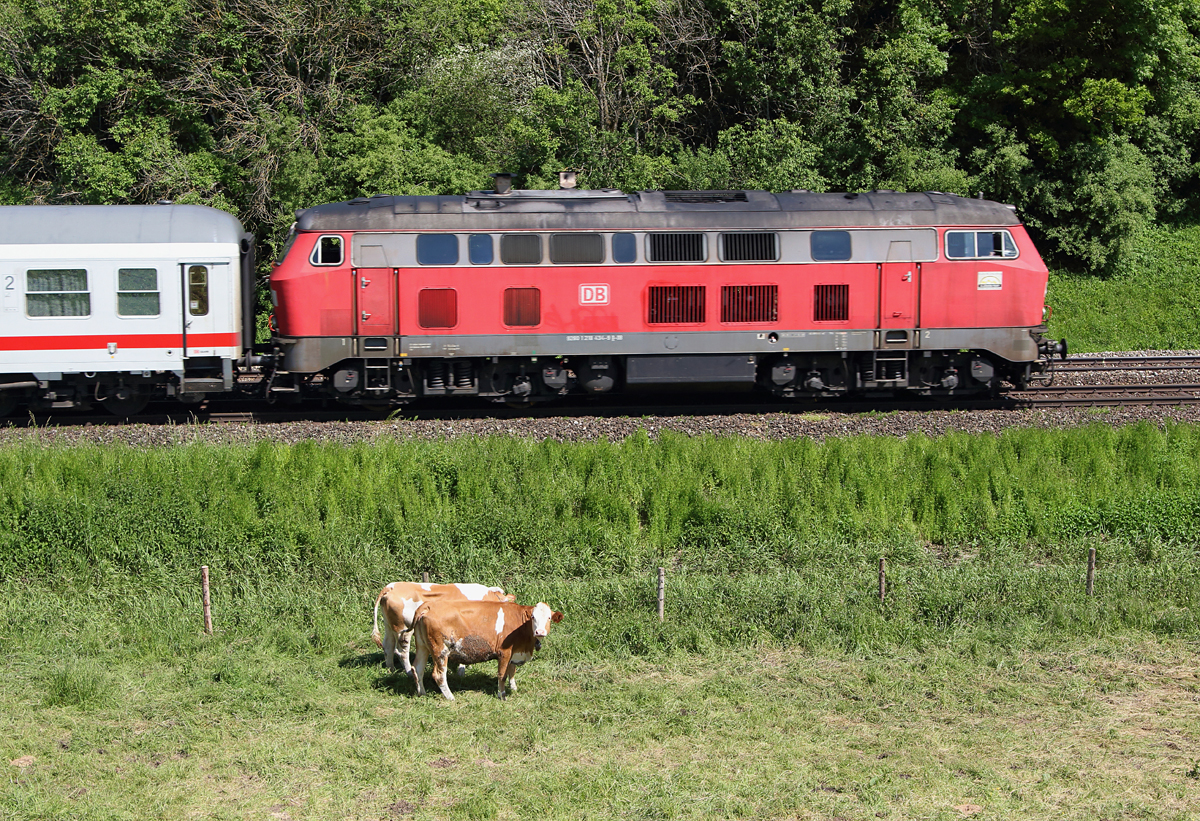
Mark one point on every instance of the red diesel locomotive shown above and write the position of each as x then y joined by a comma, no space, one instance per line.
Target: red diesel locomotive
521,296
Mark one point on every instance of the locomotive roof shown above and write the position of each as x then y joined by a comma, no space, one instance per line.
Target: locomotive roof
88,224
610,209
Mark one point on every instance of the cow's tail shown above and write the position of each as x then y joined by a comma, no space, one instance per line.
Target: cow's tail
375,629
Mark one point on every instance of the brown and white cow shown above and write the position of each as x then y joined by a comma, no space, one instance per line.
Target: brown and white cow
471,632
399,602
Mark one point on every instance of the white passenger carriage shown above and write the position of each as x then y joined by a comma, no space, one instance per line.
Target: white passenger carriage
120,304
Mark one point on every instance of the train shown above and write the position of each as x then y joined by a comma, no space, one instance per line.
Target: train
525,296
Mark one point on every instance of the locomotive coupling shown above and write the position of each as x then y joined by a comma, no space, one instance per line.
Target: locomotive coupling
1049,348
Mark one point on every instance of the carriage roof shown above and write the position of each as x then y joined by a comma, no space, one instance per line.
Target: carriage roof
93,224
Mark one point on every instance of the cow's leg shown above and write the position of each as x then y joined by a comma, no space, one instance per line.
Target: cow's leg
418,671
504,672
405,645
439,673
389,646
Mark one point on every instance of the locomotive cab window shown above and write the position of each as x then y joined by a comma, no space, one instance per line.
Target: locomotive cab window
980,245
329,250
60,292
197,278
137,292
830,246
437,249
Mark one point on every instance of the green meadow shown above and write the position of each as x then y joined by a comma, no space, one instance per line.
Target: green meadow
987,684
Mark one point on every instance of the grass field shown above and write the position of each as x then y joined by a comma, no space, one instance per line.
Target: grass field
118,707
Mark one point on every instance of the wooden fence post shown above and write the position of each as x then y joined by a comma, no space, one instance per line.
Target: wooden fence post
425,577
662,591
1091,571
882,581
204,596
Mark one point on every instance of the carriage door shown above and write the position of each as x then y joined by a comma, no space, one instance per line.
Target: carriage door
375,290
898,287
206,309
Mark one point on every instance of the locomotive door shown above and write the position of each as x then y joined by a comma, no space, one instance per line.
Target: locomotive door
898,288
375,298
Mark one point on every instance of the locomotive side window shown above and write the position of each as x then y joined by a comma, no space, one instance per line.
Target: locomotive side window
137,292
437,249
980,245
676,247
479,249
62,292
522,306
749,303
624,248
521,249
329,250
437,308
197,277
831,303
830,246
576,249
675,304
749,247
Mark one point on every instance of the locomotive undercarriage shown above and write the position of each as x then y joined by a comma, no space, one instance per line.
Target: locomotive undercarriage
375,382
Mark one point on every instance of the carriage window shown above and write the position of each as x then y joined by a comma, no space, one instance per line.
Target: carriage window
329,250
62,292
576,249
748,247
137,292
624,248
829,246
522,306
677,247
521,249
479,249
437,249
437,308
198,290
980,245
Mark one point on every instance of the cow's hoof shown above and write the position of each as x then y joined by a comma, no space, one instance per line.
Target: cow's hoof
460,670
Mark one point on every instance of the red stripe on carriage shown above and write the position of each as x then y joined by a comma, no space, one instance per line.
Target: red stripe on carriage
123,341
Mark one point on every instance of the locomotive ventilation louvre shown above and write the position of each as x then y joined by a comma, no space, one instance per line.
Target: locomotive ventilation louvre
749,303
704,196
437,308
675,304
749,247
831,303
522,306
677,247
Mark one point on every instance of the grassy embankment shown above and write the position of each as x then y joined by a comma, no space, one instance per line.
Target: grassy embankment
777,687
1153,305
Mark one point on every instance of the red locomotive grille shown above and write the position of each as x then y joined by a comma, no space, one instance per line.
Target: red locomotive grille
831,303
437,308
749,303
522,306
673,304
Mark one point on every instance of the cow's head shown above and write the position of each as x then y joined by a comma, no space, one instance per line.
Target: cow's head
543,616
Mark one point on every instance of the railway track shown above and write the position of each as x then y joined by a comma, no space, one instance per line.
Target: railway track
1132,364
1068,396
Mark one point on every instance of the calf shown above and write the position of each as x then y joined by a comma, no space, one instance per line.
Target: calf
400,600
471,632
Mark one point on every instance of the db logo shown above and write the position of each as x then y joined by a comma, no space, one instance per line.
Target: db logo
593,294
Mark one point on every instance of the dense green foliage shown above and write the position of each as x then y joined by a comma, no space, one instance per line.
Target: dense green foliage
1085,114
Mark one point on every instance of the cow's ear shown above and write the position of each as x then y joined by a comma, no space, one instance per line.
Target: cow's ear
556,617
